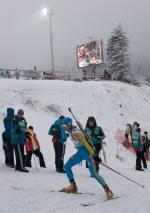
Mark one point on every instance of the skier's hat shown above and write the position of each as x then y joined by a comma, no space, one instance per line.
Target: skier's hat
67,121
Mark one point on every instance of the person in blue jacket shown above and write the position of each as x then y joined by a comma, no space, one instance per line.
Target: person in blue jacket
59,142
19,129
8,148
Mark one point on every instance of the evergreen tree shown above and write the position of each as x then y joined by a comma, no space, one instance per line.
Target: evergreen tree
117,55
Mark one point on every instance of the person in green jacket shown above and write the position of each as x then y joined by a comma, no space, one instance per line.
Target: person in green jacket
95,135
138,146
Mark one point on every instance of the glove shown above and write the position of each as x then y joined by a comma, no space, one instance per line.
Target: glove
97,159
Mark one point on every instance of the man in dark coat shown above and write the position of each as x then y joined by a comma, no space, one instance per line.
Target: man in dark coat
59,143
19,128
8,148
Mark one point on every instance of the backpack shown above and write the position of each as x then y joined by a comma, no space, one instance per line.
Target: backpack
55,131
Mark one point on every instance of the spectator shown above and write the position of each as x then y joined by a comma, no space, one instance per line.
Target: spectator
95,135
8,148
32,147
128,131
107,76
19,128
59,142
137,145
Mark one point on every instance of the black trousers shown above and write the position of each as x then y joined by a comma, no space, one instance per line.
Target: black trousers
59,149
98,148
38,153
19,153
143,159
6,155
9,155
138,160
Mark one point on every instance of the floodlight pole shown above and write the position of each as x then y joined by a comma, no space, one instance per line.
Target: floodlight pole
51,43
45,11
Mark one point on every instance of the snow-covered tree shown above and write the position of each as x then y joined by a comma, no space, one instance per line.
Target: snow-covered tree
117,55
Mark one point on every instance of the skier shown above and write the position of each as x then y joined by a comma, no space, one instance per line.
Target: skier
19,127
95,135
32,147
59,139
84,152
9,150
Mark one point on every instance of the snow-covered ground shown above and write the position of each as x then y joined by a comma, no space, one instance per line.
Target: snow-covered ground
113,104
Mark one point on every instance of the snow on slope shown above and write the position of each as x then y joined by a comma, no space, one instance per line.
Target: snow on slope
113,104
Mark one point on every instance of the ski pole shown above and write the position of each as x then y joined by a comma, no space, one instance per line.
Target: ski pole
35,163
80,128
104,152
108,167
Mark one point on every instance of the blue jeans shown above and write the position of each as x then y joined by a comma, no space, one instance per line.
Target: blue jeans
82,154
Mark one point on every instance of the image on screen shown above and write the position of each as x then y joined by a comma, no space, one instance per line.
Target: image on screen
89,54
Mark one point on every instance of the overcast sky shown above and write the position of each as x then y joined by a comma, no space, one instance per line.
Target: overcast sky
25,39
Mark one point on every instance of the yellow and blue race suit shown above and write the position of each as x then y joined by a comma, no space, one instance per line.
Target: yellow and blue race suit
84,152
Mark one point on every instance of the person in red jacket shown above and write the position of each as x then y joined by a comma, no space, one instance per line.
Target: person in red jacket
32,147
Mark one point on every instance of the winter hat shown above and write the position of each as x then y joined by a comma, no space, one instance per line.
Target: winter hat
91,118
61,117
30,127
10,112
20,111
67,121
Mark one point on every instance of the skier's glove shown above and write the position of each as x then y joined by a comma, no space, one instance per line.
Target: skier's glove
97,159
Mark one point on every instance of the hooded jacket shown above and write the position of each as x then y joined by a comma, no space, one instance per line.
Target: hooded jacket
8,122
95,135
19,127
63,134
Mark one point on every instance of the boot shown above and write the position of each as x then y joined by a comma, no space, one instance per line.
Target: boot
108,192
12,166
71,189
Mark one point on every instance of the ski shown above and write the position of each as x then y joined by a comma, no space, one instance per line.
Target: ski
78,193
15,188
98,201
113,198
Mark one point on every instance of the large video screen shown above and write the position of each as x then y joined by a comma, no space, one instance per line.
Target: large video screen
89,54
